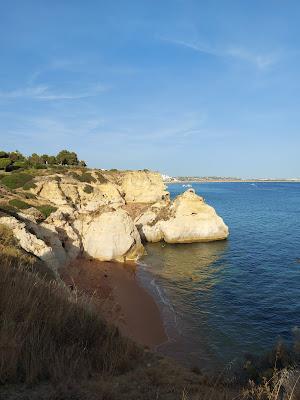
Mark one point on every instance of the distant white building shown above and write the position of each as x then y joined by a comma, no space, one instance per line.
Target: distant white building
168,178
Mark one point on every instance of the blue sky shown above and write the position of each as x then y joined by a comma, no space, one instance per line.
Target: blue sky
183,87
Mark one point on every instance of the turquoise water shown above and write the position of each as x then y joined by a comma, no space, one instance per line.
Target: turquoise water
223,299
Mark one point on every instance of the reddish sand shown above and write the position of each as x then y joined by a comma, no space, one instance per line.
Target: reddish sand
120,298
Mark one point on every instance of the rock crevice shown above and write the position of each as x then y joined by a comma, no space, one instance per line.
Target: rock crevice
113,218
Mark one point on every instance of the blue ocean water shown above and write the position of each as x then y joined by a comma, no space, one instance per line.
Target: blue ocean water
223,299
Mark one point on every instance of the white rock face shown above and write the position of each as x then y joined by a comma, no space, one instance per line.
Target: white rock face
187,220
112,236
70,239
50,190
32,244
93,222
142,187
72,193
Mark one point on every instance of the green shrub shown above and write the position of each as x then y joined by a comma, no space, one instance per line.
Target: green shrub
30,196
4,208
88,189
84,177
29,185
46,209
40,166
100,177
14,181
20,164
58,168
19,204
3,154
4,163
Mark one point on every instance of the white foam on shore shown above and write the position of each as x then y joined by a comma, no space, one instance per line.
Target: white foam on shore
169,315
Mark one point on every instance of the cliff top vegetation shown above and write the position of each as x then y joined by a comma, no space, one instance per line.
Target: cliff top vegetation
14,160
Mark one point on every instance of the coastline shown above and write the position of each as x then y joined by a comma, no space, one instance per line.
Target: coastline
234,181
120,298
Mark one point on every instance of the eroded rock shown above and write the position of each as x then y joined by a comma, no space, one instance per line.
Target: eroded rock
32,244
96,219
142,187
111,236
188,219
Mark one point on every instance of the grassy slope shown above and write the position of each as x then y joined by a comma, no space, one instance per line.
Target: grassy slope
54,340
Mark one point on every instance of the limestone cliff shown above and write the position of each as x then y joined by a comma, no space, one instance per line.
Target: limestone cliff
108,215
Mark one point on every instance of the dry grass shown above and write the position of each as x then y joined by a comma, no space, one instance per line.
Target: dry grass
283,385
49,333
10,253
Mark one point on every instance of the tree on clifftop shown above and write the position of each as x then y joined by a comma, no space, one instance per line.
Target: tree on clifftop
4,154
16,156
35,159
66,157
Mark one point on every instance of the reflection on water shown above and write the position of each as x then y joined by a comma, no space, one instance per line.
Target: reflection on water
181,275
179,263
223,299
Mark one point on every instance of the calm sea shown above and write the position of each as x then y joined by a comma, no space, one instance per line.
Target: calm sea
223,299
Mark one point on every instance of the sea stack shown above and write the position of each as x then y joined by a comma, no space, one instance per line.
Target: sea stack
187,219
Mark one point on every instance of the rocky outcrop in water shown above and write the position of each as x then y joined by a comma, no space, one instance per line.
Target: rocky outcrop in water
107,216
188,219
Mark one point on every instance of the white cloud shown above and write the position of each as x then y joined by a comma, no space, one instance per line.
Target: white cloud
261,61
43,92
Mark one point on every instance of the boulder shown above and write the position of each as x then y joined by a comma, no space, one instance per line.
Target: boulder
188,219
111,236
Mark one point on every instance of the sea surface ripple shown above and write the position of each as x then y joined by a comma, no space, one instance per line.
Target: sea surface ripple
223,299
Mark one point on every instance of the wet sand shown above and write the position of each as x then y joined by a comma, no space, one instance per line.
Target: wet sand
119,297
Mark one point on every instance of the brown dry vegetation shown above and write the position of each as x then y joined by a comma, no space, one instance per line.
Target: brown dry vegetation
46,332
282,385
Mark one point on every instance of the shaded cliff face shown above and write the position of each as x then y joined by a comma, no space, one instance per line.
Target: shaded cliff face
107,216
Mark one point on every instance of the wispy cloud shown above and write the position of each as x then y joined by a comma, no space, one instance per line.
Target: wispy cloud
43,92
261,61
172,128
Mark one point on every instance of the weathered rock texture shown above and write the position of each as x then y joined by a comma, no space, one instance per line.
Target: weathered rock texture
109,216
142,187
111,235
187,220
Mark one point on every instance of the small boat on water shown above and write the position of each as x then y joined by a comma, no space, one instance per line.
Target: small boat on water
188,185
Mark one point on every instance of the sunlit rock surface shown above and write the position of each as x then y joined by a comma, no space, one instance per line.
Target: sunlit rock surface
188,219
108,217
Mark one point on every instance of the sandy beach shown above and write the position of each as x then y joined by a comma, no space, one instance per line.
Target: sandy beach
121,299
